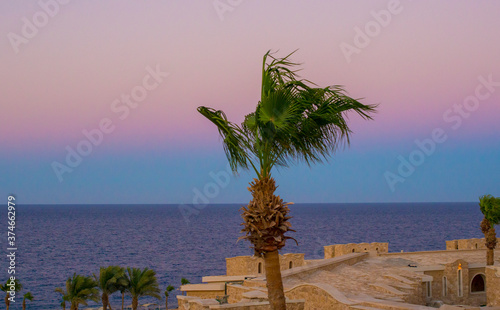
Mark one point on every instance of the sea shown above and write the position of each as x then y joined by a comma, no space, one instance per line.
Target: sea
180,241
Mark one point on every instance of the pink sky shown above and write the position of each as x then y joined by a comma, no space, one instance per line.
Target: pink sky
65,78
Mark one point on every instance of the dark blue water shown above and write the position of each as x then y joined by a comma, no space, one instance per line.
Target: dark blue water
56,241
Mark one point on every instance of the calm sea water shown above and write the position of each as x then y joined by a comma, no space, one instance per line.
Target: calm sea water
56,241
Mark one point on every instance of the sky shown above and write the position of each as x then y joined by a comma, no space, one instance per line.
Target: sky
99,98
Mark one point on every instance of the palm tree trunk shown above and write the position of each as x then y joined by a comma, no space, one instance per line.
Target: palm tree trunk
166,302
265,224
490,257
135,303
491,242
123,299
7,301
24,304
490,236
274,281
105,301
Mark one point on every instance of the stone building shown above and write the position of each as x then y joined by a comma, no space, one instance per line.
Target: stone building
362,276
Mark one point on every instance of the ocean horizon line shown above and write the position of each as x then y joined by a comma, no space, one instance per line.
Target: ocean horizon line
236,203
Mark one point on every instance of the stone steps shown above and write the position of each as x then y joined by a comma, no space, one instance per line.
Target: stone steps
400,279
388,304
387,289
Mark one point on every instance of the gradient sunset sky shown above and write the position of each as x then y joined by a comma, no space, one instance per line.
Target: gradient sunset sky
433,66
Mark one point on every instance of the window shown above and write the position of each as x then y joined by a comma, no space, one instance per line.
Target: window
460,284
445,286
428,288
353,250
290,265
478,284
260,268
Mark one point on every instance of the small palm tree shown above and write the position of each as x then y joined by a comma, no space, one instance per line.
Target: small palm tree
490,207
293,122
64,296
107,282
123,285
184,281
79,290
142,283
27,296
167,292
7,287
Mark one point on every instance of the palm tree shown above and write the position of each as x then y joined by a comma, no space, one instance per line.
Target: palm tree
490,207
107,282
184,281
64,296
7,288
122,285
167,292
292,122
142,283
79,290
27,296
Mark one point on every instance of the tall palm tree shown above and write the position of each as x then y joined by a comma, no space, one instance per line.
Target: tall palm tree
79,290
167,292
142,283
490,207
27,296
292,122
7,287
107,282
123,285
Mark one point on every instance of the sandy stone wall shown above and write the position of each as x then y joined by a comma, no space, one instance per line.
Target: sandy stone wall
373,248
467,244
249,265
194,303
451,274
436,284
205,294
493,286
290,305
236,292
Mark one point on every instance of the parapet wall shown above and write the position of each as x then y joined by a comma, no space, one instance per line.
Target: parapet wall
373,248
253,265
467,244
